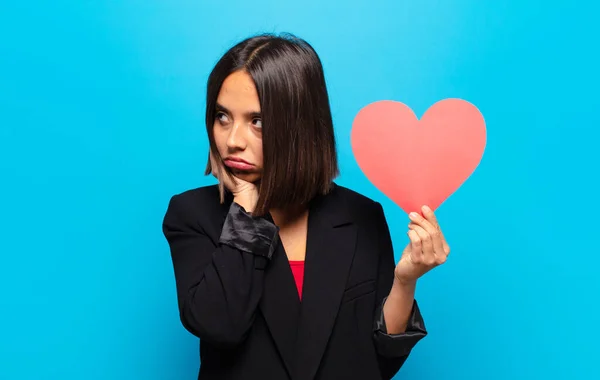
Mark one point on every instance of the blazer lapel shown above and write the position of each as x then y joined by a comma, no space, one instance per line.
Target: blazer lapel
330,250
280,305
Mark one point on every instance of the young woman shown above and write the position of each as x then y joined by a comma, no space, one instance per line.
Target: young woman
280,272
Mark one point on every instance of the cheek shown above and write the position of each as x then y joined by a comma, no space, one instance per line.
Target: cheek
220,139
259,153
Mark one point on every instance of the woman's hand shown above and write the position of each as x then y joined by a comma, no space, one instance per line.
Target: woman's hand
244,193
426,250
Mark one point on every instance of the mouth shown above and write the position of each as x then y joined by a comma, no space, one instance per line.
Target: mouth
238,163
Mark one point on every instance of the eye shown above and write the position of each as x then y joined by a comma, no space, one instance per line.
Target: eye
221,117
257,123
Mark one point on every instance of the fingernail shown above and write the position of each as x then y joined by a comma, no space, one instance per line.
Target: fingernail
426,208
414,215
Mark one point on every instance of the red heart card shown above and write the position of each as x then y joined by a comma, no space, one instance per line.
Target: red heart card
418,162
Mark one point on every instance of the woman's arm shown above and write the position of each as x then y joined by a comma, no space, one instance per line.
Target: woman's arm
218,286
396,308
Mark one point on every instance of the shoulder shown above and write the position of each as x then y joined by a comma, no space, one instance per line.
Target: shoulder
352,196
196,197
366,213
358,205
194,204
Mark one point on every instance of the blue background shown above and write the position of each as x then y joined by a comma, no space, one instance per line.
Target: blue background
101,121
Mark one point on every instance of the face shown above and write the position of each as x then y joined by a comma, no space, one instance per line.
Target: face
238,127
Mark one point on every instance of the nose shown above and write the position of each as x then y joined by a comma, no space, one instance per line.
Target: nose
237,137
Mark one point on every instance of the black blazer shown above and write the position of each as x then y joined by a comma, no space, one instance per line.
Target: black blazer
236,291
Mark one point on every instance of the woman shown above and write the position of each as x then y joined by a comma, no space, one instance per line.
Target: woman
281,273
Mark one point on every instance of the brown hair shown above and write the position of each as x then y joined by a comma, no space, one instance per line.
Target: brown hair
299,152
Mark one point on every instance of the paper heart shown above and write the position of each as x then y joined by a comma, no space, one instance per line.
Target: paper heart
418,162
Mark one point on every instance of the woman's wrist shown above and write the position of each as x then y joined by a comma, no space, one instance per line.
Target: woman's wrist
403,289
247,200
406,283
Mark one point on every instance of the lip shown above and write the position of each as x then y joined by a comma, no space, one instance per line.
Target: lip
236,159
238,163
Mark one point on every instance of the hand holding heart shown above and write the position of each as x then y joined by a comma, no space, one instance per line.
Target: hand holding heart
426,250
416,162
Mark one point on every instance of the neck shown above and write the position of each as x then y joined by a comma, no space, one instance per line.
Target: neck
288,215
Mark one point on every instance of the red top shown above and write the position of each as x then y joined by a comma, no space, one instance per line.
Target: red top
298,272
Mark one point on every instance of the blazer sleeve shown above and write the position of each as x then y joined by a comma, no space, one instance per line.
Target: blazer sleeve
392,349
219,284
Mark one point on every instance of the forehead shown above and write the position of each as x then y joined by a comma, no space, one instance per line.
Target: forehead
238,92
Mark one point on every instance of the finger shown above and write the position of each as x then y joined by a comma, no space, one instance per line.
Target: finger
415,247
421,221
442,245
446,247
430,216
426,245
437,240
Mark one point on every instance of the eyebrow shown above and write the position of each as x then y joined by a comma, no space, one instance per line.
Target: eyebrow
248,115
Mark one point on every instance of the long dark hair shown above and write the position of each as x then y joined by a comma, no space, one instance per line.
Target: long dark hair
299,150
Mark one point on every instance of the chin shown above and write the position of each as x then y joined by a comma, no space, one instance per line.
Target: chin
248,177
